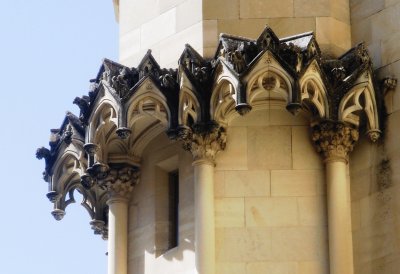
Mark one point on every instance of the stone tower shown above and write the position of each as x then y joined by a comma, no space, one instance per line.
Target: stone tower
270,148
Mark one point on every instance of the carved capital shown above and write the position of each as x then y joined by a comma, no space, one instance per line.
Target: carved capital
203,144
120,182
334,140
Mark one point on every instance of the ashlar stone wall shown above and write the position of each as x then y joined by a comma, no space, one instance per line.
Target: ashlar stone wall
270,198
165,26
162,26
375,170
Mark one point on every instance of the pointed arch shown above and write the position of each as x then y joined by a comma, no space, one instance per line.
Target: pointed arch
66,179
105,107
268,82
147,101
189,110
102,127
313,93
189,107
147,111
361,100
224,94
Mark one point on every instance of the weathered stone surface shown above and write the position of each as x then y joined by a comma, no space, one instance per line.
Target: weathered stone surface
304,153
229,212
266,9
247,183
271,212
235,157
242,244
188,13
299,244
269,147
296,182
272,267
304,8
312,211
225,9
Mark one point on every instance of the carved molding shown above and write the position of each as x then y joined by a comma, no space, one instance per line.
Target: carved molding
204,144
334,140
120,182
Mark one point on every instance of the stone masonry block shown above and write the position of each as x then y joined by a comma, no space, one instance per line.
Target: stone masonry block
266,9
333,35
242,244
253,118
299,244
269,147
272,267
234,156
309,8
340,9
165,5
284,27
222,9
134,13
229,212
219,184
158,29
296,182
188,13
305,155
361,9
280,211
247,183
312,211
129,44
312,267
172,47
210,35
279,116
246,27
231,268
390,49
385,23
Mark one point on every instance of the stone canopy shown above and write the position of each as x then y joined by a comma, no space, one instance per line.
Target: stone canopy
127,107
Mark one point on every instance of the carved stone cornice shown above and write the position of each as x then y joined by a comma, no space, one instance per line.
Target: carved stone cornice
192,101
203,143
334,140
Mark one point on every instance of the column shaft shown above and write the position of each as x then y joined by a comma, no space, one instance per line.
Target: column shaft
204,216
118,236
339,218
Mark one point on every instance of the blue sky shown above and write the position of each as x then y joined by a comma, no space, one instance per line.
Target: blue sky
49,50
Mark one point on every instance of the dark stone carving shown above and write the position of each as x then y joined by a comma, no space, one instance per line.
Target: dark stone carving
53,196
123,132
388,84
124,81
83,104
42,153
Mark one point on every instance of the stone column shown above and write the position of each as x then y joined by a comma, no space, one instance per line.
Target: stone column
119,184
335,140
204,146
